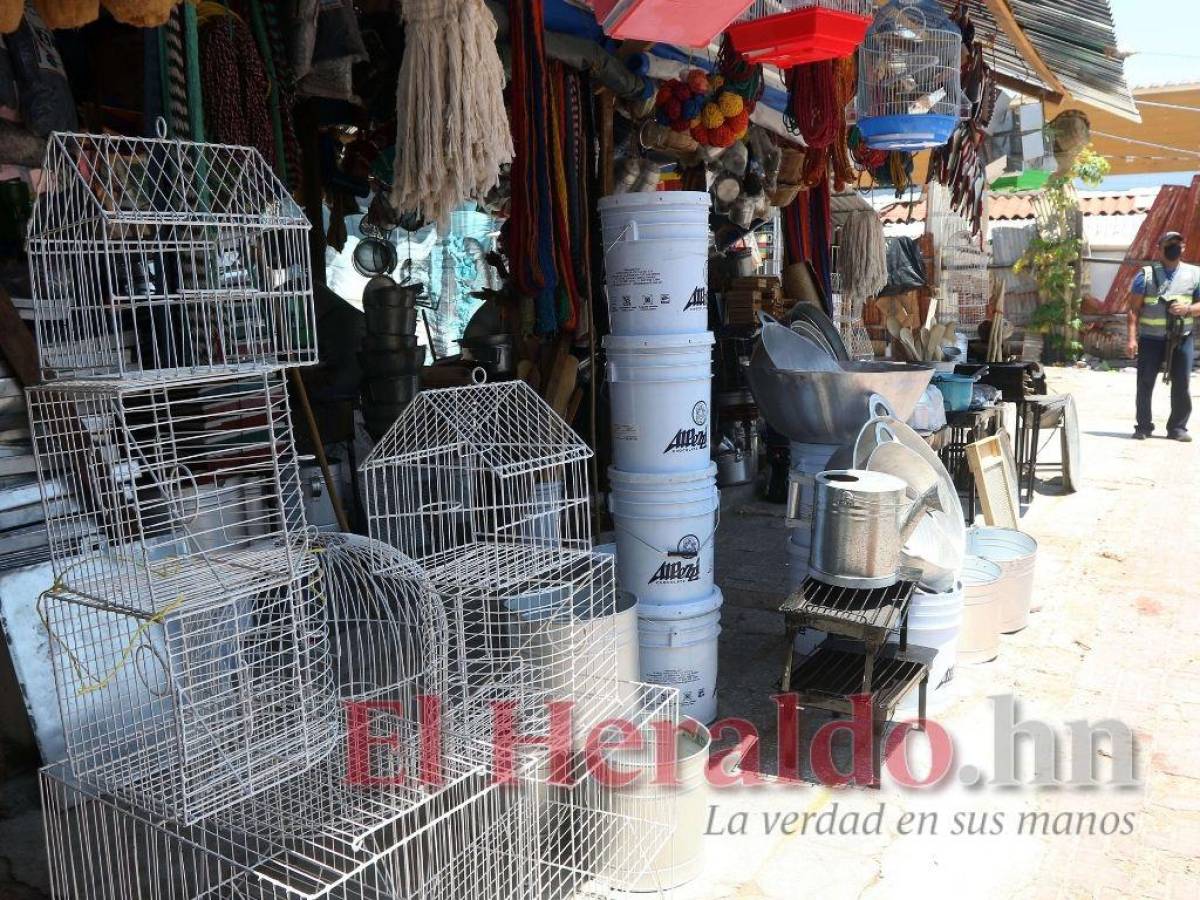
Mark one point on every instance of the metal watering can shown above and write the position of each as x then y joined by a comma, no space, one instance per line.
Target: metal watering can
861,521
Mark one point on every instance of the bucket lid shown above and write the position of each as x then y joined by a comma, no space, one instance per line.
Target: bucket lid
861,481
629,342
664,481
687,609
638,199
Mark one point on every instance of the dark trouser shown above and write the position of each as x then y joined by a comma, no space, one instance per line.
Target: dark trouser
1149,363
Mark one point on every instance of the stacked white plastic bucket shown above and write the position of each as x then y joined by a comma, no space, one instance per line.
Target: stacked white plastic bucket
664,502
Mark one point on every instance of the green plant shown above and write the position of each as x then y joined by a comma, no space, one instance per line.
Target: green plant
1053,256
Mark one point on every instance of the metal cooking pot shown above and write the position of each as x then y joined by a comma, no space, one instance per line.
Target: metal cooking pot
495,352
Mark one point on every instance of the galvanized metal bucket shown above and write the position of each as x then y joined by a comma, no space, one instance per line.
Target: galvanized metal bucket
857,528
1016,554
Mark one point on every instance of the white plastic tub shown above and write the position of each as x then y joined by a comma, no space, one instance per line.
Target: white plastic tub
661,389
680,651
1016,554
665,527
935,621
657,286
654,214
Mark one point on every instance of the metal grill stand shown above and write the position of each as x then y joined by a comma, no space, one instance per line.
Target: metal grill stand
854,660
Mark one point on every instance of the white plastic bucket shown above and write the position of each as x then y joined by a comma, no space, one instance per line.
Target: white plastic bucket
935,622
1016,554
807,462
980,638
682,807
681,652
665,527
655,214
657,286
661,388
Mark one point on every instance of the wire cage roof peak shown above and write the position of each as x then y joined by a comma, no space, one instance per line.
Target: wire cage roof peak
147,181
507,427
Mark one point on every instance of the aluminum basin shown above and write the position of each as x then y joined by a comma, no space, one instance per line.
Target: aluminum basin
831,407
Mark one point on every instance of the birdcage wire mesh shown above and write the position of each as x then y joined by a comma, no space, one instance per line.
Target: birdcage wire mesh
153,255
324,833
162,493
488,469
909,64
965,281
474,840
190,710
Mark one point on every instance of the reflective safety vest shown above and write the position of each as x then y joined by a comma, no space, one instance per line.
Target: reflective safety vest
1163,289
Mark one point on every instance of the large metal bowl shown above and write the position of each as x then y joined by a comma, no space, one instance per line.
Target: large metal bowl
831,407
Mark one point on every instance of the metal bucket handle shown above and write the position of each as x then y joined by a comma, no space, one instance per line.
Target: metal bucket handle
668,553
629,226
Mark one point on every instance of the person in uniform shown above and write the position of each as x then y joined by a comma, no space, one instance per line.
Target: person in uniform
1161,319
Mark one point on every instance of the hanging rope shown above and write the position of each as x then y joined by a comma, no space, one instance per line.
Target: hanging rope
812,103
530,232
176,72
818,94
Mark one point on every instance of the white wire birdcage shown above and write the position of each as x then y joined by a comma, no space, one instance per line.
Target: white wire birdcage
909,77
189,711
965,283
157,494
321,833
487,470
152,255
475,839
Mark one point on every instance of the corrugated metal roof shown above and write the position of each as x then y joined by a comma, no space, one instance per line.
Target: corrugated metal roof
1017,206
1075,38
1177,208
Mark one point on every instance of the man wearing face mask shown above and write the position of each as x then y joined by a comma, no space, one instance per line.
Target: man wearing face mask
1166,302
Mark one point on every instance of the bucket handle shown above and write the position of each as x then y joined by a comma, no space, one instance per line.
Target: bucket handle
670,553
629,226
728,761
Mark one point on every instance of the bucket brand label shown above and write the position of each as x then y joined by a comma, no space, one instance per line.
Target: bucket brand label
678,572
698,299
691,438
684,568
688,439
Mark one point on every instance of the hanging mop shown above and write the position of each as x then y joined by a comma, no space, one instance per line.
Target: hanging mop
452,132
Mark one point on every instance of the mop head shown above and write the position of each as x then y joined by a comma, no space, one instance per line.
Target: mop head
452,132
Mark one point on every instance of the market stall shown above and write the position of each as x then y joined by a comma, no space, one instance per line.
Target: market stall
358,354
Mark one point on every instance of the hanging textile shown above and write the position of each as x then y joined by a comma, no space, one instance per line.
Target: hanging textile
808,234
233,83
140,13
530,231
452,133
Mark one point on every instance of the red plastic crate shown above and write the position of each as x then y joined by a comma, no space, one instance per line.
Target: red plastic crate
685,23
803,36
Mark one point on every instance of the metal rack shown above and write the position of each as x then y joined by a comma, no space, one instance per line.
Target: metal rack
855,660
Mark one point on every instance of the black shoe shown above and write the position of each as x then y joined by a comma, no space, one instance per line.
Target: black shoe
1140,435
1182,436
